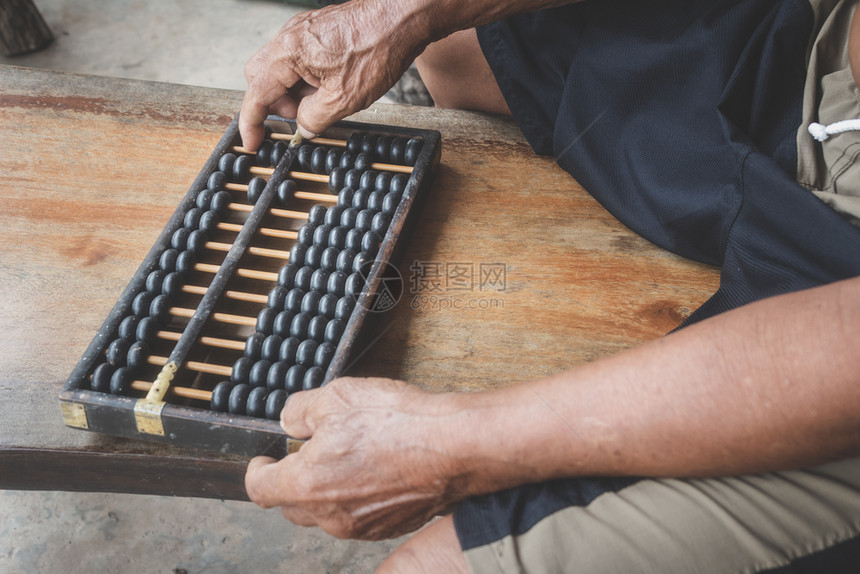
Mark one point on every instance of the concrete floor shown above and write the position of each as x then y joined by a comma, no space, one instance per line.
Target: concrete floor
201,42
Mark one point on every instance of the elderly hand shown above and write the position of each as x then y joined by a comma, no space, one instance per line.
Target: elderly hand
326,64
375,465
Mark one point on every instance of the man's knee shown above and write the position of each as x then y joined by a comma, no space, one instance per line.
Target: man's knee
432,550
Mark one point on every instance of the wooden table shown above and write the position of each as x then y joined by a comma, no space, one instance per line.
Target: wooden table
91,169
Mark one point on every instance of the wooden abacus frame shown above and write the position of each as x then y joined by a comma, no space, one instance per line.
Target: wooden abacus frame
151,417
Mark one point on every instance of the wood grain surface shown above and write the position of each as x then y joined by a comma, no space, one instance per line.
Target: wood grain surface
513,271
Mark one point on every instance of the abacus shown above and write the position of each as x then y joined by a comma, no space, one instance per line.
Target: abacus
262,283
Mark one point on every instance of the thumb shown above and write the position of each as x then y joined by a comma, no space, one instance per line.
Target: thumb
298,414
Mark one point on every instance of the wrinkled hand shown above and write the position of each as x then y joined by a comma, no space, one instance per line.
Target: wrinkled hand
326,64
376,464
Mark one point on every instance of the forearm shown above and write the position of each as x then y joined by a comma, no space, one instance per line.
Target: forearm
770,386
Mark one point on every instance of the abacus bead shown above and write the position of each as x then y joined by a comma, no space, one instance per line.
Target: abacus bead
192,218
204,198
255,189
304,156
287,274
336,179
266,320
225,164
398,183
172,284
368,143
264,154
336,283
370,242
305,352
286,189
305,234
362,261
275,404
318,159
398,150
332,159
374,200
293,300
303,278
101,378
141,302
277,372
216,181
257,376
383,148
281,326
138,353
316,215
241,370
256,405
328,260
128,326
319,280
352,178
332,215
344,308
278,150
120,381
185,262
353,239
147,329
220,396
154,280
297,254
287,352
117,352
380,223
179,239
310,302
390,203
344,197
313,378
321,234
299,326
359,198
347,160
277,296
314,254
353,143
327,304
159,309
271,347
354,284
368,178
316,328
324,354
294,378
238,400
413,149
254,345
364,219
242,167
344,260
197,241
333,331
347,218
221,202
209,221
337,237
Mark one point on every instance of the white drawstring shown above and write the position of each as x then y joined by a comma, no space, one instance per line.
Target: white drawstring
822,132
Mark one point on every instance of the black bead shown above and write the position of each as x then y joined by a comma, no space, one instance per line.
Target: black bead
370,242
305,234
275,404
316,328
192,218
197,241
128,326
310,302
294,378
347,218
321,234
293,300
221,202
318,159
277,296
204,198
354,284
332,159
159,309
344,260
303,278
337,237
271,347
297,254
362,261
398,150
255,189
364,219
324,354
238,400
374,200
257,376
264,154
254,345
120,381
286,190
368,179
398,183
299,326
413,150
336,179
277,372
347,160
216,181
287,275
336,283
344,308
368,143
313,378
225,164
281,326
327,304
359,198
242,168
220,396
154,280
147,330
241,370
328,260
179,239
314,254
353,239
287,352
305,352
344,197
319,280
383,149
209,221
172,284
266,320
334,331
278,150
256,405
138,353
304,156
141,302
185,262
390,203
380,224
353,143
117,352
332,215
101,378
352,178
316,215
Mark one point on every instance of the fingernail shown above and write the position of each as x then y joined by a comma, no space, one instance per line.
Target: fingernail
305,133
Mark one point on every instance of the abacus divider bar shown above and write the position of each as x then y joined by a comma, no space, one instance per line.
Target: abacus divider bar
184,392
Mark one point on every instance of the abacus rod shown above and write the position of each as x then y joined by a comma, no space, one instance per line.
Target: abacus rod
197,366
184,392
379,166
206,340
240,272
219,317
261,251
266,231
323,197
277,212
237,295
